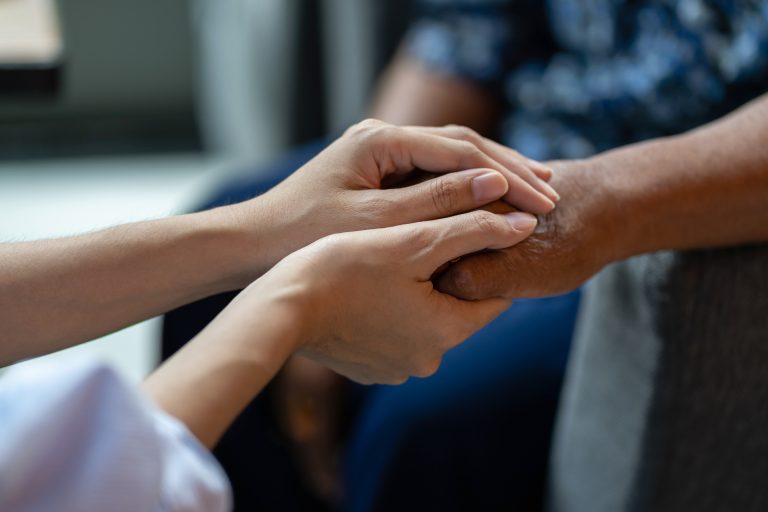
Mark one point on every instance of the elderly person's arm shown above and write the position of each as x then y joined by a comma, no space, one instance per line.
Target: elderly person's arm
411,93
452,65
704,188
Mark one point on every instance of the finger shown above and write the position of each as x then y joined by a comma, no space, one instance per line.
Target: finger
406,149
532,172
480,277
445,195
541,170
436,242
471,316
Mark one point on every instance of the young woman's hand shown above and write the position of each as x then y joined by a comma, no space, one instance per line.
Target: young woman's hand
360,303
366,304
353,185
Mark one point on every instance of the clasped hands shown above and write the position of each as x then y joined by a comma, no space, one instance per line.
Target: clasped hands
353,264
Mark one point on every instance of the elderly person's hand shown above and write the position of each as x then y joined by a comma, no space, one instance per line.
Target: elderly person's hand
705,188
569,245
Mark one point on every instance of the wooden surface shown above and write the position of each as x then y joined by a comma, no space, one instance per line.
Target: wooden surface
29,32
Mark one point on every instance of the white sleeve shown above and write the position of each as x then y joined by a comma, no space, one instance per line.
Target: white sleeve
77,438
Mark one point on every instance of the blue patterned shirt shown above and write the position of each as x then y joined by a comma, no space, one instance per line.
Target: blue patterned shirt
582,76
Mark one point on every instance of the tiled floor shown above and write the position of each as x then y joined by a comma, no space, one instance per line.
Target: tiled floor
61,197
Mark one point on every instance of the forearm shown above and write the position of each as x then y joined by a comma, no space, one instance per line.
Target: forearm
210,381
411,94
705,188
57,293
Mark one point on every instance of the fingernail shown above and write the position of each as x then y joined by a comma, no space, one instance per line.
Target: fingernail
488,187
551,192
521,221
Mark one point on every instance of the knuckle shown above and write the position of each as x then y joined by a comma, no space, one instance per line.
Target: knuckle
468,149
521,169
465,133
366,124
343,248
472,156
387,131
445,195
485,221
417,240
389,143
377,211
368,130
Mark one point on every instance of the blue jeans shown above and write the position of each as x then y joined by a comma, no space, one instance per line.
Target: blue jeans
475,436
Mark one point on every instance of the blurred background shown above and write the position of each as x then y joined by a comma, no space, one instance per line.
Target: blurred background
113,111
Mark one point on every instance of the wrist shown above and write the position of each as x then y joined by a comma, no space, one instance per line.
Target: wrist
249,239
639,195
213,378
281,306
591,190
268,228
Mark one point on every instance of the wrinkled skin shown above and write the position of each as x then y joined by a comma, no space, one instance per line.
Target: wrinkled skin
570,245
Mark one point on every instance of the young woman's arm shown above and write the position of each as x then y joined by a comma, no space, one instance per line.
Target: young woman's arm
57,293
359,303
79,437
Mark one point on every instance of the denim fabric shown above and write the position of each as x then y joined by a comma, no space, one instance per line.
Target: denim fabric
474,436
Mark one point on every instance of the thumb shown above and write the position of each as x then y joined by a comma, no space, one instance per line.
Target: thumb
447,195
451,237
